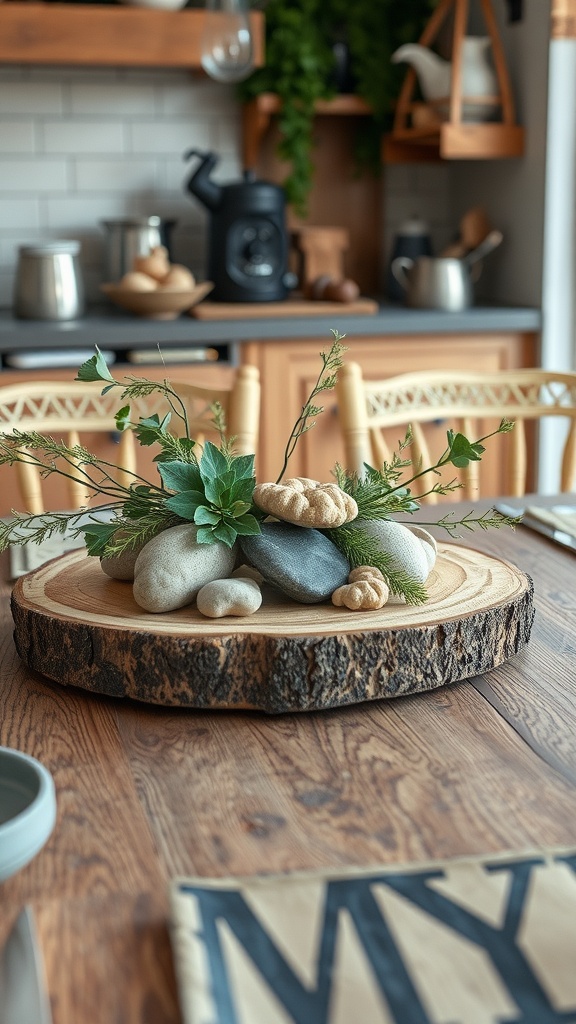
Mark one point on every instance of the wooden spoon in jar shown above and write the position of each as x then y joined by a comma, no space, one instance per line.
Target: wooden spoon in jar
474,226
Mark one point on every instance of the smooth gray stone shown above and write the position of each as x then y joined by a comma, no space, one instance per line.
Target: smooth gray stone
301,562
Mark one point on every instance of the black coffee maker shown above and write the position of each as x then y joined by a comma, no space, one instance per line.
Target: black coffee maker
248,240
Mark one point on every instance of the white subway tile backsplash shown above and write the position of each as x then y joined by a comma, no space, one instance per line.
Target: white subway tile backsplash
18,215
38,98
77,212
168,138
34,176
114,99
16,136
116,174
190,97
229,135
83,136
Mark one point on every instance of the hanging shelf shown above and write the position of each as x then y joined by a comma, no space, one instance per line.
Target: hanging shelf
419,131
258,113
106,35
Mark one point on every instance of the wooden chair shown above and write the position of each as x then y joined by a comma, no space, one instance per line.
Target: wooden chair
65,410
468,402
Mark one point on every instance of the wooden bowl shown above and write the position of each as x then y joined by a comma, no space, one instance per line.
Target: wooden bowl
157,305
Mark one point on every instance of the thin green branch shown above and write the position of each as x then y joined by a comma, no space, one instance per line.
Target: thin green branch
331,363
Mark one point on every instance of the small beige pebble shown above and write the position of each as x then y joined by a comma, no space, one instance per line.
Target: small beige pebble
232,596
368,594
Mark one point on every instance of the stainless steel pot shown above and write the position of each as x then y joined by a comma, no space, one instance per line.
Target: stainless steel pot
436,282
49,283
130,237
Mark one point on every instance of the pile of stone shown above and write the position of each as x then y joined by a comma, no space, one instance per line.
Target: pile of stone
172,570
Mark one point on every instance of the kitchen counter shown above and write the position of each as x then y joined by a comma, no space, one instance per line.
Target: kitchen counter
121,332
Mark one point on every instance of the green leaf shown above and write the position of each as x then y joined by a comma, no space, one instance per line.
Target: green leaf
149,429
238,508
225,534
97,535
185,503
243,467
462,451
212,464
214,489
204,535
122,418
243,490
247,526
204,516
181,476
95,368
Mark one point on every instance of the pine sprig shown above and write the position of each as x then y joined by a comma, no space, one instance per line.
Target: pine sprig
361,549
331,363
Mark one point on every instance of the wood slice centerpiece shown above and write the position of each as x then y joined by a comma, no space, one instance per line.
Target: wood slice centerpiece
80,628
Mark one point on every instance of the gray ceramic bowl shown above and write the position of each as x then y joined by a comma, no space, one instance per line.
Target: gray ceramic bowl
27,809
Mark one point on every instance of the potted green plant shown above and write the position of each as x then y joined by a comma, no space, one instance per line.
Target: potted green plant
301,62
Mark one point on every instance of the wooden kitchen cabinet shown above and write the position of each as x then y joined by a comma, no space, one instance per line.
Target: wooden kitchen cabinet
99,444
288,371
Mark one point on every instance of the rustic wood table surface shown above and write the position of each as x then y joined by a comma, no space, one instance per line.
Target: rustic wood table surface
147,793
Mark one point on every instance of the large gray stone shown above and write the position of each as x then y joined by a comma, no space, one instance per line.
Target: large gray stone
302,563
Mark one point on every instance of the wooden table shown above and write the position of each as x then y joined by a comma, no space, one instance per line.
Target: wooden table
147,793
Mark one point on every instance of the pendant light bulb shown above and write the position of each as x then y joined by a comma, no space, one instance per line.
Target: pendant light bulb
227,48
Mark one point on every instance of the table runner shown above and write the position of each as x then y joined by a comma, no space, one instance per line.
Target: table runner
476,940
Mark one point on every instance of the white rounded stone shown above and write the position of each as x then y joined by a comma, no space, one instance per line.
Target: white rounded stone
428,542
235,596
172,568
409,553
121,567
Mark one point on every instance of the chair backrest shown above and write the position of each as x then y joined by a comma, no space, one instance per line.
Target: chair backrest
65,409
457,400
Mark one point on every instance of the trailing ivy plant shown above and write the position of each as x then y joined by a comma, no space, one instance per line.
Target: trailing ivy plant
300,68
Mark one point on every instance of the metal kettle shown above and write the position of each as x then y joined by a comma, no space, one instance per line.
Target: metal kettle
248,239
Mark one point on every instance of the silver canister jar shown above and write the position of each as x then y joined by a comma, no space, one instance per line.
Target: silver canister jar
49,283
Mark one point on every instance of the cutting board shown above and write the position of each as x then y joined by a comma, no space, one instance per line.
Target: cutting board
292,306
80,628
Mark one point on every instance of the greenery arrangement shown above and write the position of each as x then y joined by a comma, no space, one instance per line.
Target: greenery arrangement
300,68
210,486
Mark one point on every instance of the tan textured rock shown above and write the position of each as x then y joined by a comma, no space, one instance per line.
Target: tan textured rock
305,502
365,593
234,596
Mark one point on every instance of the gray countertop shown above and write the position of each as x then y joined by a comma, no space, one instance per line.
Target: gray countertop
107,328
